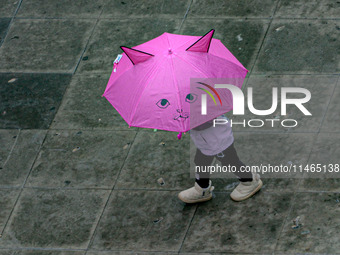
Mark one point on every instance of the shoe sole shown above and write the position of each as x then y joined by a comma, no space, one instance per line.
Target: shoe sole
195,201
251,194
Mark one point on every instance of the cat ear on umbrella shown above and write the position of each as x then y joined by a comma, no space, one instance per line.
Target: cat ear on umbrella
136,56
202,44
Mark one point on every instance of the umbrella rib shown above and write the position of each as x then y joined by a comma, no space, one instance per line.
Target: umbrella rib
181,124
193,66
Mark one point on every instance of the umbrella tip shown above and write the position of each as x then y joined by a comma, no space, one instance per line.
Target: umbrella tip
179,136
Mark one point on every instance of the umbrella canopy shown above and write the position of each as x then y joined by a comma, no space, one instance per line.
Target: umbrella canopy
150,87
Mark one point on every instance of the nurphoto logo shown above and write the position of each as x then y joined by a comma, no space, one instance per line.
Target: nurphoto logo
239,104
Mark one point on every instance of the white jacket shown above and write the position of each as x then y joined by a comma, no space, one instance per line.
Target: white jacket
213,140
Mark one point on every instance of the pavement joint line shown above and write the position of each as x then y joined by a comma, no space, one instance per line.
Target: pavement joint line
54,18
86,45
329,102
108,198
188,227
21,188
270,73
292,203
185,16
4,71
169,190
261,18
10,23
88,40
264,37
13,146
292,74
39,249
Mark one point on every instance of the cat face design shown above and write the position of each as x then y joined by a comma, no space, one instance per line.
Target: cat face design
179,114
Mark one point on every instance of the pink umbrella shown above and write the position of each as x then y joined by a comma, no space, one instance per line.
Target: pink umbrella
156,84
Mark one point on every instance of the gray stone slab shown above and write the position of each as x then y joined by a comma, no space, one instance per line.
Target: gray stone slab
18,154
30,100
83,106
60,9
300,46
149,160
39,252
143,221
90,159
8,197
44,45
3,28
8,7
242,37
252,226
223,9
308,9
54,218
332,118
149,8
325,152
320,86
319,221
110,34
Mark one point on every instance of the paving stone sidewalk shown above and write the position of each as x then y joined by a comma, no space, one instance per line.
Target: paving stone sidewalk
76,180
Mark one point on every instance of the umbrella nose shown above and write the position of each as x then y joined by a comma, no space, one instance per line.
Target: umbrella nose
169,51
180,115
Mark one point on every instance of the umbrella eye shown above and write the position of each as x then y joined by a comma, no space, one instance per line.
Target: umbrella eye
190,98
163,103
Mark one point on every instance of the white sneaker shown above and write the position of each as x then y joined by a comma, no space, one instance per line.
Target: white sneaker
196,194
246,189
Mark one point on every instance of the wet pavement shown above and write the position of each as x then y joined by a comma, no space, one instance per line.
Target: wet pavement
76,180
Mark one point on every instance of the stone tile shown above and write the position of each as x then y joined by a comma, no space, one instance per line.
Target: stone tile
308,9
221,225
39,252
54,218
110,34
223,9
8,197
52,45
19,159
321,88
149,160
83,106
319,229
332,118
3,28
228,31
149,8
60,9
32,100
325,152
143,221
300,46
8,7
90,159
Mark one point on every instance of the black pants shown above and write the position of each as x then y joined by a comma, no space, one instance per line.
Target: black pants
227,157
